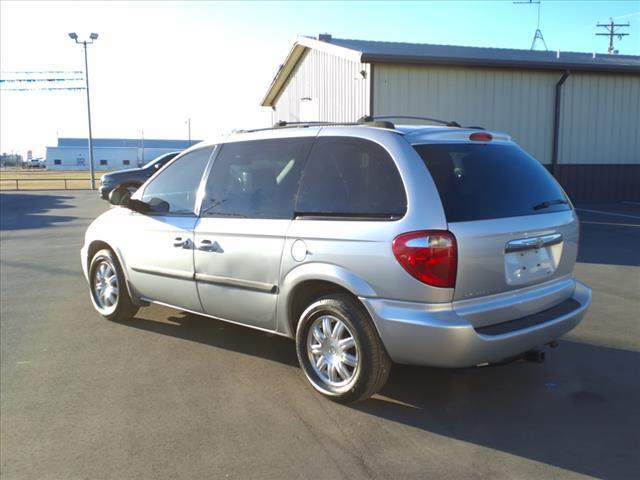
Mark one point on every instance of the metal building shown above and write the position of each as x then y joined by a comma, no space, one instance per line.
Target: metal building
578,113
109,153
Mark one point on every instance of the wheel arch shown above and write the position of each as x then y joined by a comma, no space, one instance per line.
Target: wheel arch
94,247
311,281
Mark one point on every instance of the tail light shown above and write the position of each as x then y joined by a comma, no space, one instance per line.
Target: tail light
481,137
430,256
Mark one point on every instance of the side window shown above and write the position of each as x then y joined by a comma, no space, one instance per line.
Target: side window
353,177
174,190
256,179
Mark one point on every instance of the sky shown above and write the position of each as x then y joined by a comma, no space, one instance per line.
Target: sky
156,64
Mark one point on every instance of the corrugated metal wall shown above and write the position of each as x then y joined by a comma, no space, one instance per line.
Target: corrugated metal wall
341,91
600,120
518,102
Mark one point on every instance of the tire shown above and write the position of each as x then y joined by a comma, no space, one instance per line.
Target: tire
108,288
356,364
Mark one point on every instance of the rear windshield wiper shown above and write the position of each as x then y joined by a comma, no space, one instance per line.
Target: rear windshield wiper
548,203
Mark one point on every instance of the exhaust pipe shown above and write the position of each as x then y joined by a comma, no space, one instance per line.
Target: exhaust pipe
535,356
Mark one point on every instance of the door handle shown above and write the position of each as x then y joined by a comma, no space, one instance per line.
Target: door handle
209,246
180,242
534,243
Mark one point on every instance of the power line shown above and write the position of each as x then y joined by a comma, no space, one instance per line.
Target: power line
612,31
37,72
37,89
35,80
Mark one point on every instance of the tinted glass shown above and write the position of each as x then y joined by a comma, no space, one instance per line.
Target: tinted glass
351,176
482,181
256,179
174,189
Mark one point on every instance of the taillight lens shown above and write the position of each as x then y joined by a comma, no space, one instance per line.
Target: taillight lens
430,256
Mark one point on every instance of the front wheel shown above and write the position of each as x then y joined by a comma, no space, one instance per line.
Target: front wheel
108,287
340,351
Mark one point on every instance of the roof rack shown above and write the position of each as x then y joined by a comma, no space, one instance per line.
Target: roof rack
369,119
366,120
284,124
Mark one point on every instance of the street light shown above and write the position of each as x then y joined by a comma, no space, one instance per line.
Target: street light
84,43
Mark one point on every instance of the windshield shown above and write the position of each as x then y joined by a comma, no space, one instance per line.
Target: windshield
482,181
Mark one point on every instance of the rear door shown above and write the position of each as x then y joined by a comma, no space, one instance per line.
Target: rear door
246,211
514,225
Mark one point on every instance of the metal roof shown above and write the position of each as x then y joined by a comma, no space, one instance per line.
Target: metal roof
367,51
393,52
127,143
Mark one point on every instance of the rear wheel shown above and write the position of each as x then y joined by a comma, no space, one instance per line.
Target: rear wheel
340,351
107,284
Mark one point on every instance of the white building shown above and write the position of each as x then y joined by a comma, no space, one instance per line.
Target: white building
109,153
578,113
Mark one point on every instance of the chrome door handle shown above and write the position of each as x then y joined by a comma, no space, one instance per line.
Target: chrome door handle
209,246
180,242
533,243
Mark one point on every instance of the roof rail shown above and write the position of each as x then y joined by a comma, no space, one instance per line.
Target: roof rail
283,123
369,119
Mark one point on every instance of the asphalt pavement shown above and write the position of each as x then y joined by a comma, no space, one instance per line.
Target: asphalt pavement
174,395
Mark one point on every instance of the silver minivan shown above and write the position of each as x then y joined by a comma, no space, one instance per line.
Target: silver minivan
369,244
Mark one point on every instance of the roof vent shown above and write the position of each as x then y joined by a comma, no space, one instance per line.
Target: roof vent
324,37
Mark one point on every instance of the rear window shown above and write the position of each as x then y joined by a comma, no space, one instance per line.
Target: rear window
482,181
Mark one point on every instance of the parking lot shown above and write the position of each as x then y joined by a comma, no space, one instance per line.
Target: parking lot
174,395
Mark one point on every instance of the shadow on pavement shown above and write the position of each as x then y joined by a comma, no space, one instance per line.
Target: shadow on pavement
221,334
25,211
578,411
610,234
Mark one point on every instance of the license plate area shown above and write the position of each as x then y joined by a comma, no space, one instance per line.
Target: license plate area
531,266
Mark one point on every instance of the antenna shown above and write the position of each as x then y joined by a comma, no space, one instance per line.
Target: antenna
612,31
538,35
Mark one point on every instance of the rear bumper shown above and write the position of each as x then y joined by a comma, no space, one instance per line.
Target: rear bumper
422,334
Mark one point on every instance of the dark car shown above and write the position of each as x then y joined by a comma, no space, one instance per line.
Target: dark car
132,177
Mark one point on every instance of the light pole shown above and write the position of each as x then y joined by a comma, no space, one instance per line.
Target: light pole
142,137
188,122
84,43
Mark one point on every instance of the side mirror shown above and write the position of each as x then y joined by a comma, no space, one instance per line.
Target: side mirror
120,197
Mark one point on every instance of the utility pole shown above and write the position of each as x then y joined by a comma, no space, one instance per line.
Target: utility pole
142,137
611,28
93,37
538,34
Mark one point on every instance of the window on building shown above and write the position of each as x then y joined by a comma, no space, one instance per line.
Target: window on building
57,161
103,162
256,179
126,162
351,177
173,191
